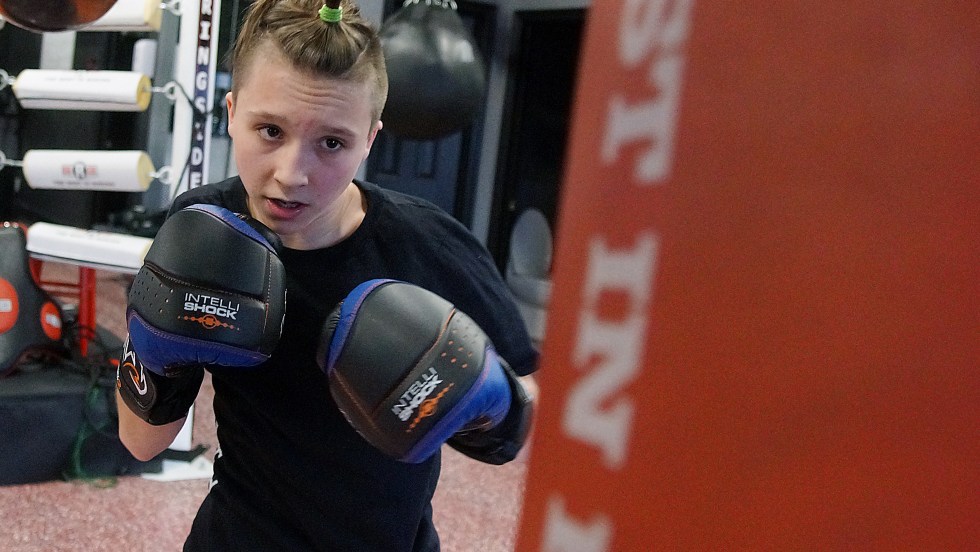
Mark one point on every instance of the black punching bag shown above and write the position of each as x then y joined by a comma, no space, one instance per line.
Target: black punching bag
436,78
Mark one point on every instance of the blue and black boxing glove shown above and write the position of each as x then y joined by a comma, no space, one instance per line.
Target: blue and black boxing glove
412,372
211,292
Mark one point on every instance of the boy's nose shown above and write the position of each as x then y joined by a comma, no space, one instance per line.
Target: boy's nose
292,166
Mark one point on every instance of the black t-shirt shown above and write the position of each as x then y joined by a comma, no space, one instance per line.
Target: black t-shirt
291,473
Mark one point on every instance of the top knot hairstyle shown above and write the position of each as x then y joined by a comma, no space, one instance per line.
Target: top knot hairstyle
331,12
347,48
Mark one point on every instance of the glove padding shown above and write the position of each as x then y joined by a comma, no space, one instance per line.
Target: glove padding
500,444
410,371
211,291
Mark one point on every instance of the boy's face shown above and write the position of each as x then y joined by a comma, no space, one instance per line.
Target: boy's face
298,141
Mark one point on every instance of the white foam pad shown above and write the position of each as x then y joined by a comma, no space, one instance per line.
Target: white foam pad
109,250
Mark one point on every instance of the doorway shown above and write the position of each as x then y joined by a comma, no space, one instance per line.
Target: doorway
534,134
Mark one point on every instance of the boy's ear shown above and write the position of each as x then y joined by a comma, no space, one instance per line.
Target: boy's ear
372,135
230,106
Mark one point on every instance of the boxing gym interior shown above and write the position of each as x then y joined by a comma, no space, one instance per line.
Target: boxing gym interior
743,238
59,493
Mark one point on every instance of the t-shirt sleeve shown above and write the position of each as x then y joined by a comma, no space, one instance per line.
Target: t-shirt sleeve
471,280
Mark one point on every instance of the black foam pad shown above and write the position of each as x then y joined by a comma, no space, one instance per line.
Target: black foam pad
30,320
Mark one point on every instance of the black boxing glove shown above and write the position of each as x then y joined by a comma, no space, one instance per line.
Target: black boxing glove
410,371
155,398
211,292
501,443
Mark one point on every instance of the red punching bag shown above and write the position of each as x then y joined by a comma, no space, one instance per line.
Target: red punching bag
436,76
53,15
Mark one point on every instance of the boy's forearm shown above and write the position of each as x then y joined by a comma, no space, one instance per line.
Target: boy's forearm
144,441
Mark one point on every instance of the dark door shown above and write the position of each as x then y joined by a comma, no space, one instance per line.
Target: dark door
429,169
534,133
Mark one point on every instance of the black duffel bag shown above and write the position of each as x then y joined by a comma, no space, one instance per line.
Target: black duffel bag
58,421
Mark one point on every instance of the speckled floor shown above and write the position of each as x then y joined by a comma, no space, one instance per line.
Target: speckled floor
476,506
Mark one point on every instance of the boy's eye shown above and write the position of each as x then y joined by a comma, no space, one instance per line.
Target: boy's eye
332,143
270,131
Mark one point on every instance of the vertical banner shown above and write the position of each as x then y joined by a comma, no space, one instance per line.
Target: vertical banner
197,52
766,308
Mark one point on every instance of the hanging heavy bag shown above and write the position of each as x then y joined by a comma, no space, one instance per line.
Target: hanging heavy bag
436,76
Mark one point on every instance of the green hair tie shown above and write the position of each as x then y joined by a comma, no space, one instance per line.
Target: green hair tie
331,15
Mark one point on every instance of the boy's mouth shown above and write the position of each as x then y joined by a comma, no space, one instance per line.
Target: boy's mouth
284,210
286,204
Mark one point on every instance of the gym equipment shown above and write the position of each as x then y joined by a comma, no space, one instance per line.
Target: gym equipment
53,15
131,16
211,291
410,371
115,171
92,248
436,76
58,420
82,90
765,307
30,320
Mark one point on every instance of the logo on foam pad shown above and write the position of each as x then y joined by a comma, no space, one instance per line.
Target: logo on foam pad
215,312
50,321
